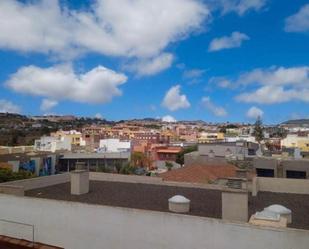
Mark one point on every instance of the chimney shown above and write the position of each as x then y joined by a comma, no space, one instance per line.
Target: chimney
241,173
235,205
79,182
80,166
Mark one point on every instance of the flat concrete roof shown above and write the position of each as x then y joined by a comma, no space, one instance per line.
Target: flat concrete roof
204,202
103,155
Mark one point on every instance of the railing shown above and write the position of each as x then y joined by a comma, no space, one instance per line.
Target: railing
13,229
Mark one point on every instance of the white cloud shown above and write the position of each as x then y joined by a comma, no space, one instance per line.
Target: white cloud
221,82
233,41
168,119
120,28
98,116
276,76
254,112
151,66
98,85
174,100
214,109
193,73
8,106
241,6
275,85
298,22
274,95
48,104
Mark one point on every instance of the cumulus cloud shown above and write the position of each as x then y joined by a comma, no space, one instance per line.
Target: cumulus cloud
213,108
174,100
168,119
275,85
298,22
119,28
221,82
276,76
233,41
274,95
8,106
98,116
151,66
254,112
48,104
98,85
241,6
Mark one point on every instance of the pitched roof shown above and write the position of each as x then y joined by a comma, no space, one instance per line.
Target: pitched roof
200,173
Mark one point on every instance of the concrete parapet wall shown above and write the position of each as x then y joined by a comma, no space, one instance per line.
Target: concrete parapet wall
98,176
79,226
12,190
39,182
282,185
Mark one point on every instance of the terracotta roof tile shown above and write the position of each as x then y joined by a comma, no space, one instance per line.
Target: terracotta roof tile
200,173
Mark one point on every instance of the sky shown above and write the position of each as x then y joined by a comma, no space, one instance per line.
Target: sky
212,60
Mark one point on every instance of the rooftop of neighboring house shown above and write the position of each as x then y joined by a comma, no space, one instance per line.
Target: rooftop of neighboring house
200,173
205,202
23,156
169,149
93,155
250,145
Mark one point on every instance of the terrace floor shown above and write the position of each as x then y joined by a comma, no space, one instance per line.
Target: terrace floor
204,202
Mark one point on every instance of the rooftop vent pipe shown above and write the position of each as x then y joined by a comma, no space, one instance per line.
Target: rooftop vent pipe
179,204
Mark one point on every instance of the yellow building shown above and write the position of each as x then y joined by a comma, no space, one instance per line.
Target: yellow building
295,141
74,136
208,137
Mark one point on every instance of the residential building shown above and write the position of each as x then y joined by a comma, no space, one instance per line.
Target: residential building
114,145
296,141
211,136
38,163
53,144
74,136
94,161
281,167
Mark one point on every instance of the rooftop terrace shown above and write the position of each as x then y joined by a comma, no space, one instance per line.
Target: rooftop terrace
204,202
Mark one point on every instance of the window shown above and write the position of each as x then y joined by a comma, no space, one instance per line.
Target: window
265,172
296,174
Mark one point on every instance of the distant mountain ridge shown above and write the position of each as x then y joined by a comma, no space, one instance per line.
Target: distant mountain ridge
296,122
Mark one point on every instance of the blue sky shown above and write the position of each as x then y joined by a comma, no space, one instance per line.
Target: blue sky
226,60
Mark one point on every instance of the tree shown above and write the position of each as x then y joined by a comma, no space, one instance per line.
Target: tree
8,175
126,169
139,159
118,166
258,130
169,165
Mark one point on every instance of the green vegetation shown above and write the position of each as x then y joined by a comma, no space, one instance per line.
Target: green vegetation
229,126
127,169
180,156
8,175
153,126
169,165
139,159
258,130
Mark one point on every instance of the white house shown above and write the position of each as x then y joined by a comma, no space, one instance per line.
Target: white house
52,144
114,145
